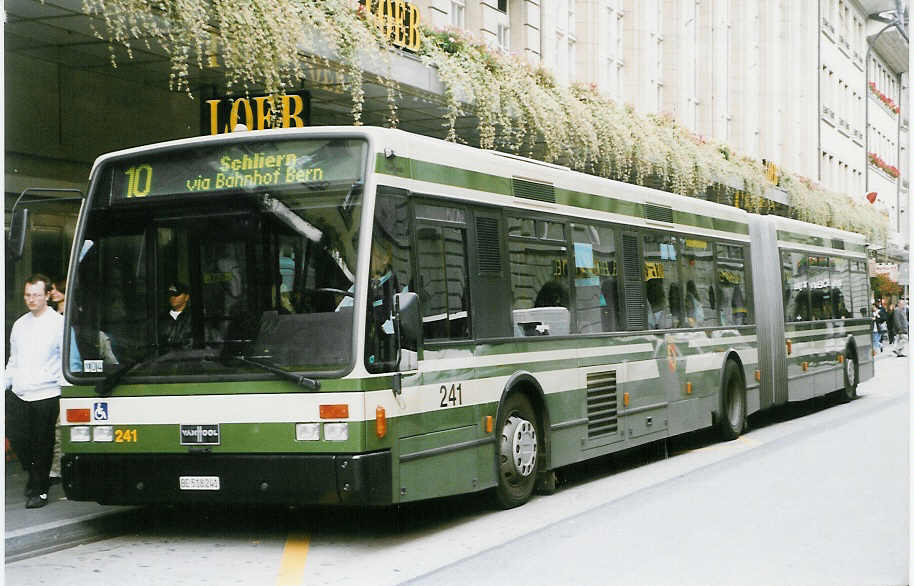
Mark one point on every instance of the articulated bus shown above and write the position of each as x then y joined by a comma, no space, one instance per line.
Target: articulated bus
377,317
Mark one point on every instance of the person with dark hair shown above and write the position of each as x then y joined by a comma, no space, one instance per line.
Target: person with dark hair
890,323
901,329
32,383
175,324
59,293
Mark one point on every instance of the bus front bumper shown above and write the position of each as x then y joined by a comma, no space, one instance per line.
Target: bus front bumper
293,479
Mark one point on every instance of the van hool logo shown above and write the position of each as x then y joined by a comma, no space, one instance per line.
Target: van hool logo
200,435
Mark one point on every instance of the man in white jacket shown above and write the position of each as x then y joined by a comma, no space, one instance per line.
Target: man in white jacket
32,386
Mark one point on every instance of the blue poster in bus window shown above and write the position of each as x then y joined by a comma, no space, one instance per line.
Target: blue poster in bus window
583,260
100,411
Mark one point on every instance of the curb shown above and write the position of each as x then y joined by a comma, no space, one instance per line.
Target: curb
56,535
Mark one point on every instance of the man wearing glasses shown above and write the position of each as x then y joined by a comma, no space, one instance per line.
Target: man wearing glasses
32,386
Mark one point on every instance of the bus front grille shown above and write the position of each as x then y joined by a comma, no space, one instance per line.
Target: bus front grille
602,404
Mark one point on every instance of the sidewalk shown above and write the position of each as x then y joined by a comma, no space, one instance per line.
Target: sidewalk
60,524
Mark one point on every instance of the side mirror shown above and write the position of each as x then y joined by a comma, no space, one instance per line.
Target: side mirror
406,308
19,226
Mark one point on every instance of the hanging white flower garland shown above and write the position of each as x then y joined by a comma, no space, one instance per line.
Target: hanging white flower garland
518,108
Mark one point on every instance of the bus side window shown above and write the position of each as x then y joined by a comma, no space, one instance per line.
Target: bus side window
859,289
596,284
539,279
796,286
664,292
839,280
442,282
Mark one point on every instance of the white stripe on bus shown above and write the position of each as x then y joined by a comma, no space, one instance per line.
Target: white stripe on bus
434,365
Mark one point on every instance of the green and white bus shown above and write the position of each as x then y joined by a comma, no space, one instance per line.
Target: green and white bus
378,317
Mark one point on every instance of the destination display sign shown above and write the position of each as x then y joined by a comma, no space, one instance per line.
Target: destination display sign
248,166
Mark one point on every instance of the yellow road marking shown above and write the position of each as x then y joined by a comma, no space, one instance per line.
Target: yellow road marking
292,565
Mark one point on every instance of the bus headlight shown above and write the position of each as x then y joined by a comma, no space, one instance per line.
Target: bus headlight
336,432
80,433
307,431
103,433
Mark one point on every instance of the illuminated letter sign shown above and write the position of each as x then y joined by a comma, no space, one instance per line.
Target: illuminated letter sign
221,115
397,19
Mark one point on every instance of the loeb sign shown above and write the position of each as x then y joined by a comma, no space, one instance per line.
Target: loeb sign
397,19
224,114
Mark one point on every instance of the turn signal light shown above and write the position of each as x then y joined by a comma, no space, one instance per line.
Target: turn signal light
840,358
380,421
77,415
805,366
625,399
688,388
758,376
789,347
334,411
488,423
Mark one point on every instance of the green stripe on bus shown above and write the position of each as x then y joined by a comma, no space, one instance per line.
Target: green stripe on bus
810,240
457,177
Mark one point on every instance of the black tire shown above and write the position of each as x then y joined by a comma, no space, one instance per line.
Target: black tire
851,377
732,417
518,451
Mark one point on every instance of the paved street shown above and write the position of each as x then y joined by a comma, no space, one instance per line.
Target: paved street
814,494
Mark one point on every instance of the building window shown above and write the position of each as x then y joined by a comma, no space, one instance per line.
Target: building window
504,37
503,6
457,13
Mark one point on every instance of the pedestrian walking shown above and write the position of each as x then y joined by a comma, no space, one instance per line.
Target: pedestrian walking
890,322
877,347
32,386
901,329
883,325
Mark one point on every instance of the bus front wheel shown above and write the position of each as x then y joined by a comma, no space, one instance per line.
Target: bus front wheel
518,453
732,418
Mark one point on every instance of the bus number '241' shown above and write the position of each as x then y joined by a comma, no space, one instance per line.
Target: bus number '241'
452,397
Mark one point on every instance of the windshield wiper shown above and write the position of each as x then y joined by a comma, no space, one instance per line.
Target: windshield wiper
302,381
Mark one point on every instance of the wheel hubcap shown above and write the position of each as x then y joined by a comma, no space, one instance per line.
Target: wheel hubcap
851,372
518,448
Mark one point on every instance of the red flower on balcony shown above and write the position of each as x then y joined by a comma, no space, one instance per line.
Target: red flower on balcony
878,162
884,98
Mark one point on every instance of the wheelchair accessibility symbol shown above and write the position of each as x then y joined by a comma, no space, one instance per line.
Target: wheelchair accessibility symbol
100,411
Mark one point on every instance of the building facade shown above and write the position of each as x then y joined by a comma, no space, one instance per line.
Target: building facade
820,88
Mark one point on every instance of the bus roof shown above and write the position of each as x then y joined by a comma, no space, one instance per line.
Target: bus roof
524,182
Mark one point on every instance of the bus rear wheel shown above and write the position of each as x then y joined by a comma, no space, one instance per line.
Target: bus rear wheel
851,376
732,418
518,451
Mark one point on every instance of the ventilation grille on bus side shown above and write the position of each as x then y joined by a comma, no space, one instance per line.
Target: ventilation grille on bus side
633,278
533,190
487,248
602,404
658,213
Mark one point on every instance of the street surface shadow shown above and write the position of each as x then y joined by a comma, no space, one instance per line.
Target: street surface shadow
604,466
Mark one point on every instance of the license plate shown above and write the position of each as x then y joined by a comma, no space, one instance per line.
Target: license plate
198,482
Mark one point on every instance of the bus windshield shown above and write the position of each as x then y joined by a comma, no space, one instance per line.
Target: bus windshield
202,282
